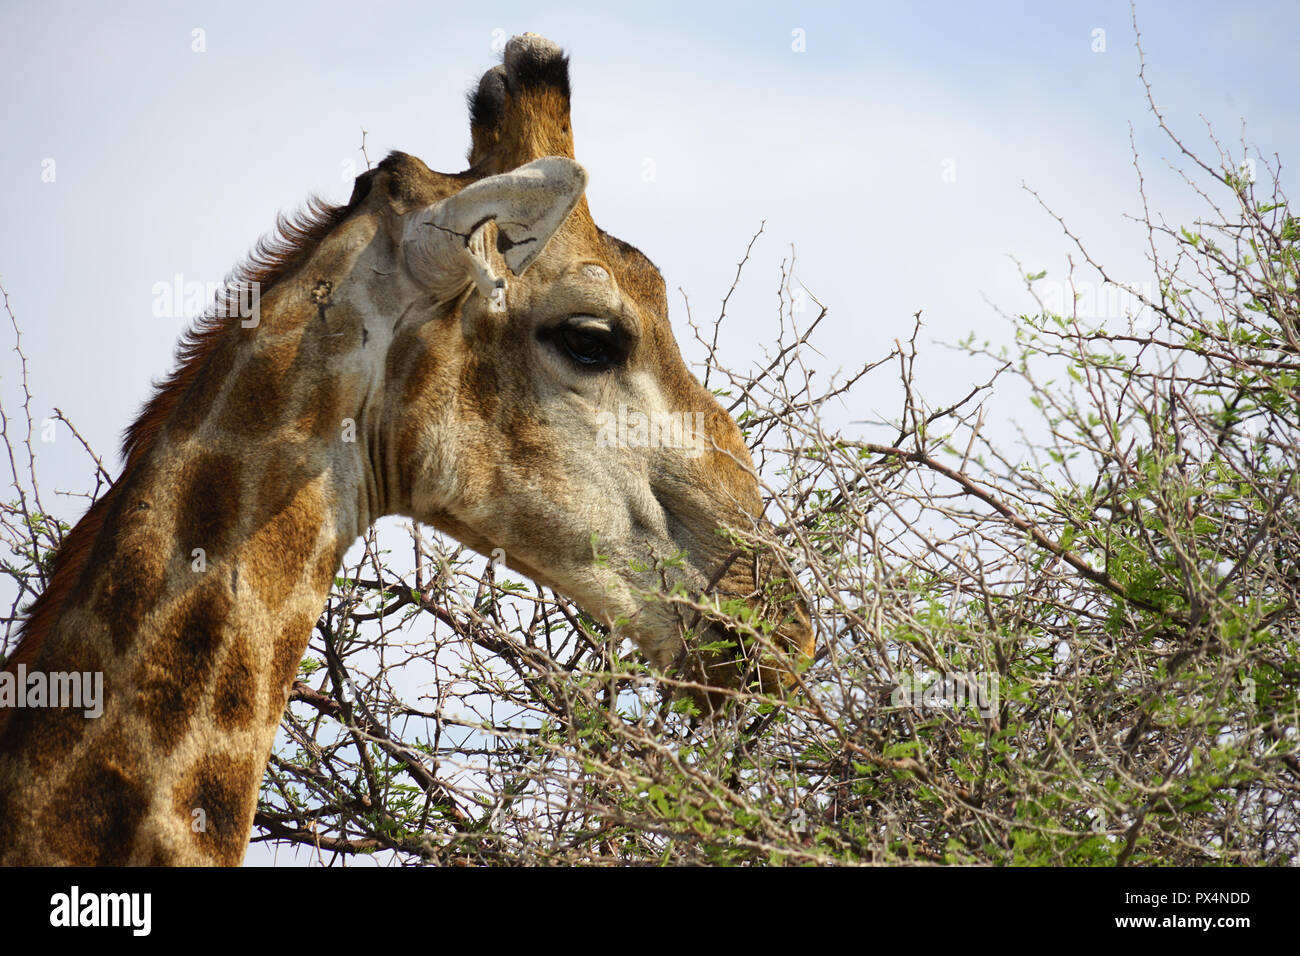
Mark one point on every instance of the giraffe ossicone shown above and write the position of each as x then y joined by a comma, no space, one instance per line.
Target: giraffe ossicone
453,348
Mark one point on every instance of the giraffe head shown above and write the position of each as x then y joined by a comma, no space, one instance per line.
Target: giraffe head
534,402
468,350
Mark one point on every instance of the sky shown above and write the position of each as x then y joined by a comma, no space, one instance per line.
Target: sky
885,147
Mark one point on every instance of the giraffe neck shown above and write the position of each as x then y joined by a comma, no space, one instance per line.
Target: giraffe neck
195,603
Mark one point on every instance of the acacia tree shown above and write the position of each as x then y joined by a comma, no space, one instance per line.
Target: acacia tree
1080,649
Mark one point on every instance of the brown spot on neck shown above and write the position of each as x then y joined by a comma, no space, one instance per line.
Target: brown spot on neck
174,672
224,791
209,489
94,816
233,695
276,557
290,645
126,569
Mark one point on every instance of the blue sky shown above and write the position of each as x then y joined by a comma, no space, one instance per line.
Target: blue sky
888,154
173,161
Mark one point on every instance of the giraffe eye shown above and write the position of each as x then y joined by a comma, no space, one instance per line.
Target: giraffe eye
589,345
588,348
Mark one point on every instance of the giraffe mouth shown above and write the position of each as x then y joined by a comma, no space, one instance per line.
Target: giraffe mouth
719,657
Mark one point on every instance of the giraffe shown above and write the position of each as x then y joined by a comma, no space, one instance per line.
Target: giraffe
447,347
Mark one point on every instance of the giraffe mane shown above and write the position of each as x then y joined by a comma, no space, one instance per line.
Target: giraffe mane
275,256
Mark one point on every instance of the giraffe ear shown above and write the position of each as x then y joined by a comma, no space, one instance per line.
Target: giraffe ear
445,245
